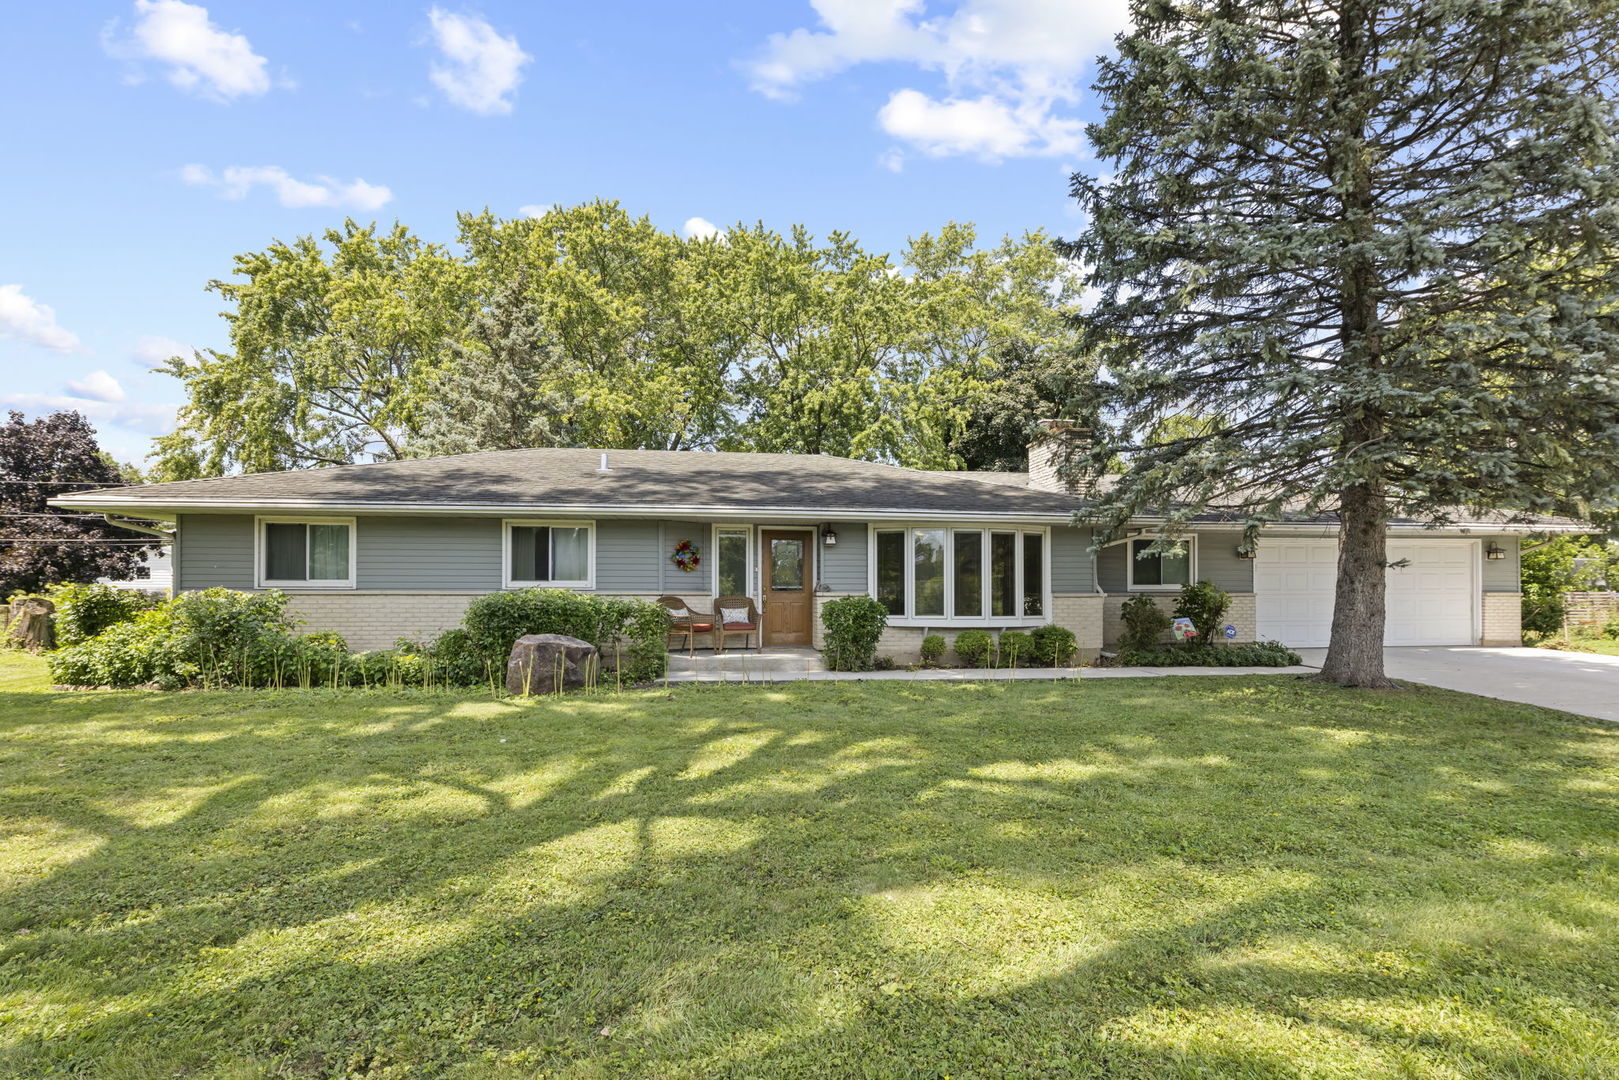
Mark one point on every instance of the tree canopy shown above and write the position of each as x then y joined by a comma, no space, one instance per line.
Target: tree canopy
599,329
39,544
1371,246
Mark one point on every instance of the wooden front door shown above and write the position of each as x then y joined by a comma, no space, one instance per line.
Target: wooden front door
789,585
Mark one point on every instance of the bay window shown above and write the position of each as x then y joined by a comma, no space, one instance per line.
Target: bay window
960,575
316,553
553,553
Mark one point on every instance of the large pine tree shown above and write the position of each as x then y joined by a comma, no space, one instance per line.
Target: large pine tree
1376,242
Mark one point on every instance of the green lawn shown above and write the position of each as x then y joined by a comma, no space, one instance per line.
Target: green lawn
1153,878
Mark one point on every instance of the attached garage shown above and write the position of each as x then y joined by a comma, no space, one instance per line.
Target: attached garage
1433,600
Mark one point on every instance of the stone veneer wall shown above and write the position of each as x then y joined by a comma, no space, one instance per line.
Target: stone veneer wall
1242,614
1079,612
1503,618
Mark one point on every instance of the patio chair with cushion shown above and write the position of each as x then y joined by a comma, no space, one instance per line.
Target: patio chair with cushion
737,615
684,621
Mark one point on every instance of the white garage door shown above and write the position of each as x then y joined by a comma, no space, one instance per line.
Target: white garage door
1431,601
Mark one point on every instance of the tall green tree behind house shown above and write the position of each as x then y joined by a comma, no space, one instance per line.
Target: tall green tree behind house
1374,240
586,326
504,388
331,347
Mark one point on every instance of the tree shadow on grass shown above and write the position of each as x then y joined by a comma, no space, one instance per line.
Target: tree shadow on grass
1013,880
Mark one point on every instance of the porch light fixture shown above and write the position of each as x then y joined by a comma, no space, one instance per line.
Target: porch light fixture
1495,551
829,537
1246,553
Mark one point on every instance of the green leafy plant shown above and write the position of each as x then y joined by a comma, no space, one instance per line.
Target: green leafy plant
1054,646
973,647
1016,648
83,611
932,650
1259,654
632,635
1144,623
1205,603
853,625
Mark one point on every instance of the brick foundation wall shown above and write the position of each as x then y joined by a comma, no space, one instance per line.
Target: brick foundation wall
1503,618
1081,613
1242,614
370,620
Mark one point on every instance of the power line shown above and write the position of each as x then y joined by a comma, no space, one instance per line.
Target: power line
72,483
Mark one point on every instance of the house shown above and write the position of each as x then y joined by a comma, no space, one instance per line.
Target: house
399,548
159,575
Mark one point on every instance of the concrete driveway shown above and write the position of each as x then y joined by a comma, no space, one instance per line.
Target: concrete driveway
1583,683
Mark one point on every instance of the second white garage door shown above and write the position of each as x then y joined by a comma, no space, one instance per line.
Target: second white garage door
1431,601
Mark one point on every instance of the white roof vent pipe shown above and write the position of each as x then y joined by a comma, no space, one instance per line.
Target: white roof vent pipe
604,467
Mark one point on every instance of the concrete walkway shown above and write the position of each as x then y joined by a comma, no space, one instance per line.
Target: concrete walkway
1584,683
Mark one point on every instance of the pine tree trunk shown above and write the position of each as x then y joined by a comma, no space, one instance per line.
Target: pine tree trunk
1355,654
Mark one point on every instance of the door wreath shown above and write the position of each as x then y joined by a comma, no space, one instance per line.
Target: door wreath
686,556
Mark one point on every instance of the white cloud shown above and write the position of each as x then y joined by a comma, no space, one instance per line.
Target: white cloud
153,351
149,419
236,181
97,386
1010,67
892,159
534,210
480,68
28,320
984,126
201,58
697,228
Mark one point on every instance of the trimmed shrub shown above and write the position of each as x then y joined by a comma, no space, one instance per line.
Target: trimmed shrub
932,650
1016,648
454,654
1144,623
853,625
973,647
1260,654
1054,646
1205,603
631,633
83,611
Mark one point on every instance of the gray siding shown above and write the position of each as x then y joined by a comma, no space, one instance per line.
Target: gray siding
1071,560
627,554
1504,575
843,566
1216,561
214,550
452,554
675,580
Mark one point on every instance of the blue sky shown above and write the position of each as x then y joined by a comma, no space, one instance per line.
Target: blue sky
149,141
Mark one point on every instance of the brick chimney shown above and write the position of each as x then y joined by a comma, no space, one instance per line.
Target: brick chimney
1056,440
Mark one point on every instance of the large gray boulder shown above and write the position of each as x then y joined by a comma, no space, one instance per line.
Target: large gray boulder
551,663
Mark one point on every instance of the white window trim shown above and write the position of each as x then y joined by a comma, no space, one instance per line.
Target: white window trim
752,589
910,618
585,584
262,582
1130,566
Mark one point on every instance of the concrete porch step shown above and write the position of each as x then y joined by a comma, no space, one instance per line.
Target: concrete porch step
744,665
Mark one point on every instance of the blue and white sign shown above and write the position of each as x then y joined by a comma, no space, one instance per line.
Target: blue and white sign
1229,631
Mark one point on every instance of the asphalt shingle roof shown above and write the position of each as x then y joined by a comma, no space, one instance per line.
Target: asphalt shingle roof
640,479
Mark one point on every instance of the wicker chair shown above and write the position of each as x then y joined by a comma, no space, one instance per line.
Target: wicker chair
747,627
684,621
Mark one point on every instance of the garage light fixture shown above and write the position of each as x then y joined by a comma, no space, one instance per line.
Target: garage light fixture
1246,553
1495,551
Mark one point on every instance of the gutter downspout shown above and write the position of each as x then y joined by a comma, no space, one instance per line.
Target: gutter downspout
126,523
